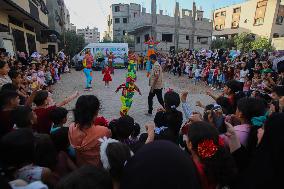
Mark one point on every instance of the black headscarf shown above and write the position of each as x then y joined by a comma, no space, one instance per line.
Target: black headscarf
160,164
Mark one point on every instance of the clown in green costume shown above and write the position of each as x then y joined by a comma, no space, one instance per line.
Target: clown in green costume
128,88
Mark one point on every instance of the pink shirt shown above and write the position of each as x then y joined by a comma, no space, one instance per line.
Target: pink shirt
242,131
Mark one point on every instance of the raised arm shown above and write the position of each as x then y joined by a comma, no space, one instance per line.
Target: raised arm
185,107
68,99
138,90
120,87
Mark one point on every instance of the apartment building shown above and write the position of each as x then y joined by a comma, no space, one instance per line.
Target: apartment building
263,18
91,35
120,18
21,26
186,29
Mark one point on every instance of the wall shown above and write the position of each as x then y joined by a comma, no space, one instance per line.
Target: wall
24,4
278,43
3,18
246,23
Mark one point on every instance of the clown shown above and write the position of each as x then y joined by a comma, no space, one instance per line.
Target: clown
132,66
99,57
151,50
110,58
151,46
128,91
87,64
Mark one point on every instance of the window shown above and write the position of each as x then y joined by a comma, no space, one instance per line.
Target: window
258,21
137,40
202,40
117,20
237,10
219,27
34,11
187,37
280,16
124,20
135,14
116,9
217,14
275,35
235,24
167,37
146,37
123,32
260,13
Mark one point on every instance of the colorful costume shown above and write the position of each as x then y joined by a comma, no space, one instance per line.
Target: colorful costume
107,76
128,91
128,88
110,58
151,50
87,63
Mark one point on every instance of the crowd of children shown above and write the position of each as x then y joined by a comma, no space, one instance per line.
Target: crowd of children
235,143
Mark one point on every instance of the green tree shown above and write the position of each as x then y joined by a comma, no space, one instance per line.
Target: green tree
262,43
222,43
244,41
73,43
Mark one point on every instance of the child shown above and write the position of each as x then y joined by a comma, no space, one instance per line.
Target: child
84,134
213,162
40,75
19,147
43,109
48,76
107,77
197,75
169,121
247,85
61,142
114,154
58,116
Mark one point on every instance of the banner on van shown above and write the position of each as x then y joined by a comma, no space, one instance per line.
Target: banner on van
118,53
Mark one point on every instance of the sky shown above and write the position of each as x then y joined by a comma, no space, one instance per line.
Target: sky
93,13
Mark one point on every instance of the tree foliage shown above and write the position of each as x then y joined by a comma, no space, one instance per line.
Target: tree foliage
244,41
262,43
73,43
222,43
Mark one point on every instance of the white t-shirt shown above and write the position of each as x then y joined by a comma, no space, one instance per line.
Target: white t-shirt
197,72
243,74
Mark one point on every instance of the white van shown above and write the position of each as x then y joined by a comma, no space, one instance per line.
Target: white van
118,50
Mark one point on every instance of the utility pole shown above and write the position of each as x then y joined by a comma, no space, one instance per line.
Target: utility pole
193,25
177,25
154,19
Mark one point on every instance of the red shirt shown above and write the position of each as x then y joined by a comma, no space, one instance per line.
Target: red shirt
43,120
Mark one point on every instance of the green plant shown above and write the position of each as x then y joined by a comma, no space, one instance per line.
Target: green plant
73,43
244,41
262,43
222,43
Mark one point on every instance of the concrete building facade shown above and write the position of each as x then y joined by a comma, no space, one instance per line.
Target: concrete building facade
172,32
90,35
263,18
120,19
22,26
